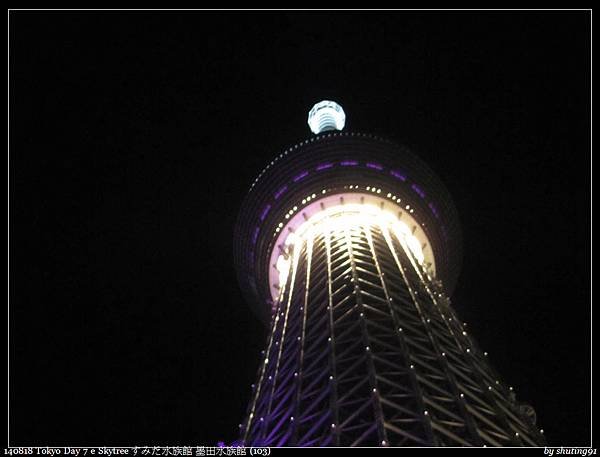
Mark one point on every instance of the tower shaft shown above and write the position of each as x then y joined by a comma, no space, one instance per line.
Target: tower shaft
364,349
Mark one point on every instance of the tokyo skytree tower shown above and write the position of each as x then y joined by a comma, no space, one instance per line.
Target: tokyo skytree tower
348,247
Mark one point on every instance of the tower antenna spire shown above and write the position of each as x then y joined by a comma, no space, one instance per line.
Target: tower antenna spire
325,116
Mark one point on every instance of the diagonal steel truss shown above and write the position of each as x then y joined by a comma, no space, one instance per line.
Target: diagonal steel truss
365,350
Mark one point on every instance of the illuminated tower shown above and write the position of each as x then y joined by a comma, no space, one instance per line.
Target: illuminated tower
348,246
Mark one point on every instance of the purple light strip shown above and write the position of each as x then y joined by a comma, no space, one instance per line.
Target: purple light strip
349,163
324,166
280,192
376,166
264,213
301,176
397,174
418,190
255,235
434,210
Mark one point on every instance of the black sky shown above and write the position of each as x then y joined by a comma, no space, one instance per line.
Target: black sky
134,137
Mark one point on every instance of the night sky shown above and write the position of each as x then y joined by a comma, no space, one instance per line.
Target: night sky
134,137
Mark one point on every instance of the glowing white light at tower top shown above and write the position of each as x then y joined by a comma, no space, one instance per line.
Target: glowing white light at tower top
355,215
325,116
338,218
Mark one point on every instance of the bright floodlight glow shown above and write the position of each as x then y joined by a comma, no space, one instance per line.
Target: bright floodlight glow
339,218
283,267
326,115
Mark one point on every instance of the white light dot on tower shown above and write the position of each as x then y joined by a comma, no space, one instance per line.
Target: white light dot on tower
325,116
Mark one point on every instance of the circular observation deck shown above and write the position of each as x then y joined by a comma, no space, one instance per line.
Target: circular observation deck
346,167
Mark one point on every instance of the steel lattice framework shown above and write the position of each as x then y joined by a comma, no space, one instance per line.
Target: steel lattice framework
364,347
365,350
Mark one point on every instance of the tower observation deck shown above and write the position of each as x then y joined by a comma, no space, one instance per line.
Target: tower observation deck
347,247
